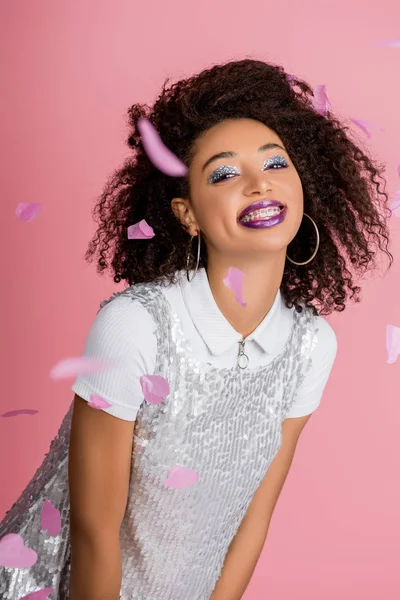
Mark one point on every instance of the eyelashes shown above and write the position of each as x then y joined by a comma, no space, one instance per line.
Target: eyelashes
227,172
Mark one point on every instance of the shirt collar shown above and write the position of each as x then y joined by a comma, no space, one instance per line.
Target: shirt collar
216,331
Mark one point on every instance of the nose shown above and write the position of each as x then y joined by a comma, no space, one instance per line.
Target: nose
257,183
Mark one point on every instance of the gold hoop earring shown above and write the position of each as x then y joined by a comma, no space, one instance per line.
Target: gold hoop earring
188,256
316,249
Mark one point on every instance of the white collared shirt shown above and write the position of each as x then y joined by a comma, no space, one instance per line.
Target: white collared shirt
125,332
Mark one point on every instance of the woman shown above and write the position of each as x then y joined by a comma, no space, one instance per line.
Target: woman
279,192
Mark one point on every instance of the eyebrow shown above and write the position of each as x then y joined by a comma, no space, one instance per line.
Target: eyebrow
270,146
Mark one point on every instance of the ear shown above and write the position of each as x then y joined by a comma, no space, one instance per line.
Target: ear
184,214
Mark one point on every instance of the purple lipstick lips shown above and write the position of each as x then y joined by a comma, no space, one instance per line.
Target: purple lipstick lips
260,215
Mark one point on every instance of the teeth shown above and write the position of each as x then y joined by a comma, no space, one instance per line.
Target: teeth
261,214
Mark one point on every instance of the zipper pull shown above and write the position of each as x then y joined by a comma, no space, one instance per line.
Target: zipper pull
243,359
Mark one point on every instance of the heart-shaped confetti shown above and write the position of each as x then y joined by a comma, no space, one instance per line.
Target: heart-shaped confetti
140,231
161,156
234,281
28,211
51,519
366,127
180,477
20,411
14,554
42,594
392,343
82,365
394,205
320,101
155,388
97,402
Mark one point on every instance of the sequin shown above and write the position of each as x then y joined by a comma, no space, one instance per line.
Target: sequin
224,424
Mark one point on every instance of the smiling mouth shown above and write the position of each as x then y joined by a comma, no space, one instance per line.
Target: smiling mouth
262,214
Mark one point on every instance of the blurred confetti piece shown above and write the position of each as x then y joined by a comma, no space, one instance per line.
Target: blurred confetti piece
21,411
392,343
28,211
180,477
398,170
366,127
292,79
234,281
82,365
158,153
140,231
51,519
389,43
14,554
155,388
98,402
394,205
42,594
321,102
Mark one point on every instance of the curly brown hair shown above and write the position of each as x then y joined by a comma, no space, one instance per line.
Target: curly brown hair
344,190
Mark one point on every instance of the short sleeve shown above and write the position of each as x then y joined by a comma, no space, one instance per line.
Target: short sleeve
308,395
123,332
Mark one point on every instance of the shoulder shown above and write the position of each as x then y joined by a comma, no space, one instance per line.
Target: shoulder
326,342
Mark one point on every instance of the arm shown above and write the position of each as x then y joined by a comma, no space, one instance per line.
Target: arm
247,545
99,471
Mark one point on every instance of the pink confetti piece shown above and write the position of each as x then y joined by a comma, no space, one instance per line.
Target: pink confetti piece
180,477
292,79
21,411
158,153
51,519
42,594
321,102
234,281
140,231
398,170
14,554
366,127
98,402
389,43
394,205
155,388
28,211
82,365
392,343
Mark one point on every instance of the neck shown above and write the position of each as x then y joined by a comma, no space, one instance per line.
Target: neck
261,284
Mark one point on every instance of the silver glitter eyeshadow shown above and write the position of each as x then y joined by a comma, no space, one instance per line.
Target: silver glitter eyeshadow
276,160
223,171
223,423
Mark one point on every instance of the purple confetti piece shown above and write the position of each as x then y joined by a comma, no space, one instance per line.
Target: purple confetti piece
14,554
21,411
161,156
28,211
140,231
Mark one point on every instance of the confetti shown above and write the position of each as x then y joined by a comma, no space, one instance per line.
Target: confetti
27,212
155,388
158,153
51,519
21,411
98,402
71,367
42,594
140,231
180,477
14,554
394,205
389,43
320,101
234,281
366,127
392,343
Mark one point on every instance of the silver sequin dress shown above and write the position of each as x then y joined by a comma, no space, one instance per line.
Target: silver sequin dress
223,423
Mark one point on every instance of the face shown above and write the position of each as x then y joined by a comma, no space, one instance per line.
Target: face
238,163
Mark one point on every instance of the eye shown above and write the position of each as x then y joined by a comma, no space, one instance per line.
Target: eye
276,162
223,173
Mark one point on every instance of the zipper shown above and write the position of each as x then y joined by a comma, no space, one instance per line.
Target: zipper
242,359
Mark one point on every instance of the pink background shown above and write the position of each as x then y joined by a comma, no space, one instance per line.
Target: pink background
70,71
